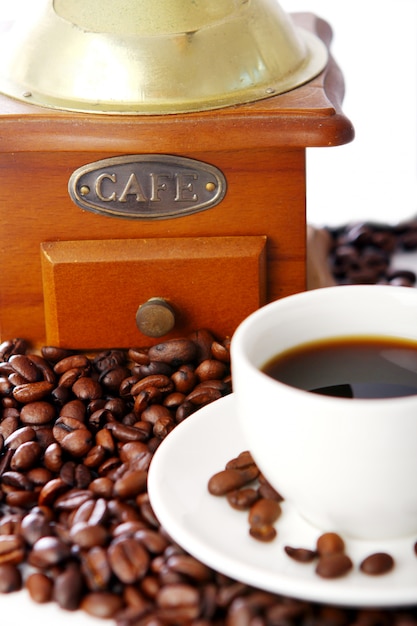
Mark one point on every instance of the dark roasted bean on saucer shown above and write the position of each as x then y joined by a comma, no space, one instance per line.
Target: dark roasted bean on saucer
330,543
242,499
377,563
266,490
302,555
333,565
263,532
244,459
264,511
229,479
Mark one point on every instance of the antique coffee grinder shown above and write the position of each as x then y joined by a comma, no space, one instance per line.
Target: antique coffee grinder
152,164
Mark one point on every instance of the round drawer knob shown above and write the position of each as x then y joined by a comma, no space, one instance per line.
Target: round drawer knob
155,317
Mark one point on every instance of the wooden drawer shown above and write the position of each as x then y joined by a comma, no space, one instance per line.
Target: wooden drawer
92,289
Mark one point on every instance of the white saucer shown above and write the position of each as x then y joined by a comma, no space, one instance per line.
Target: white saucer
209,529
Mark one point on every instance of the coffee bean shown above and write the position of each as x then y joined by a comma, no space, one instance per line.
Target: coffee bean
244,459
242,499
48,551
26,456
153,367
51,491
185,410
34,526
72,499
75,474
16,379
175,352
16,480
130,484
75,409
220,352
136,451
152,540
303,555
124,433
87,535
53,457
12,549
40,587
128,559
105,439
377,563
329,543
264,511
263,532
155,413
96,568
185,378
19,436
163,426
10,578
203,394
86,388
68,588
333,565
265,490
54,354
68,379
109,359
102,487
102,604
45,369
144,398
24,366
230,479
32,392
70,362
139,355
189,566
40,412
39,476
158,381
211,369
78,443
182,600
12,346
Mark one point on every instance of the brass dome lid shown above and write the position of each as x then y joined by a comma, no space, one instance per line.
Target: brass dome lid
155,56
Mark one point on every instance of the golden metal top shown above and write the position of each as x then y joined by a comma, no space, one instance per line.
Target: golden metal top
155,56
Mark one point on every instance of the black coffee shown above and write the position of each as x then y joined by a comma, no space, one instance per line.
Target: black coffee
352,367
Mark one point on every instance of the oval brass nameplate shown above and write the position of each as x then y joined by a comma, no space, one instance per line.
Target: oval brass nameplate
147,186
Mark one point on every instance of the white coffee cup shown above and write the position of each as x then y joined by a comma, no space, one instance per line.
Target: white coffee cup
347,465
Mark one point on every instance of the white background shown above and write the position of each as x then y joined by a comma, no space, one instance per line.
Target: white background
374,177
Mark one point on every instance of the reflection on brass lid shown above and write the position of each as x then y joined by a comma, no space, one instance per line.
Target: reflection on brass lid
155,56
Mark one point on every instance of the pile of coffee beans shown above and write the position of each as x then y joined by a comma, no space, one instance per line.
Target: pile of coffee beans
361,253
77,435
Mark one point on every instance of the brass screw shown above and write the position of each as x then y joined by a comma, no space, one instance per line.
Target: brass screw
210,186
84,190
